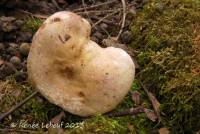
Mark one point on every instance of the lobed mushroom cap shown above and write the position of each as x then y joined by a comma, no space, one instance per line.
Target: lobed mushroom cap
75,73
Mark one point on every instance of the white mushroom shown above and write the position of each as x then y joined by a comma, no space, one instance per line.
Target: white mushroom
75,73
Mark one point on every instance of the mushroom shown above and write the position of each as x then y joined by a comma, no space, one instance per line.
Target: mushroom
74,72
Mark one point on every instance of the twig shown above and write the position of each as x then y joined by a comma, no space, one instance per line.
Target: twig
153,100
84,7
94,6
104,18
96,11
18,105
56,4
83,2
93,25
34,15
101,20
123,18
131,111
18,130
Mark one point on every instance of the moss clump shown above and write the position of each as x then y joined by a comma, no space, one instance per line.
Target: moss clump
166,34
100,125
12,92
32,24
36,110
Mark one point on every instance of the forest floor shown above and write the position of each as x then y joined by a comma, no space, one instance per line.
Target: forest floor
161,36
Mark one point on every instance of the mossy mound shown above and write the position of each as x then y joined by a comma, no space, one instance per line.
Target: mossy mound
39,111
100,125
32,24
36,109
166,34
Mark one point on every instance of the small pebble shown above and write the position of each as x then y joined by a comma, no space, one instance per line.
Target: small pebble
24,49
104,26
12,51
2,46
13,45
19,22
1,61
7,69
15,60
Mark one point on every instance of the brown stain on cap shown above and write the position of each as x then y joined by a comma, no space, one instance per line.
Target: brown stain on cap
69,71
56,19
81,94
67,37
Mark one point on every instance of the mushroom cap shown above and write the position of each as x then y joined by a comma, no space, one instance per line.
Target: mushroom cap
75,73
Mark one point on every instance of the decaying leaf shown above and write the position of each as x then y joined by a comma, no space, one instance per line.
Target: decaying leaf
150,114
1,62
163,130
130,127
136,97
56,120
156,105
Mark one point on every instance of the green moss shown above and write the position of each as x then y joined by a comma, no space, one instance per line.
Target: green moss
39,110
142,125
166,35
36,110
100,125
143,58
32,24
